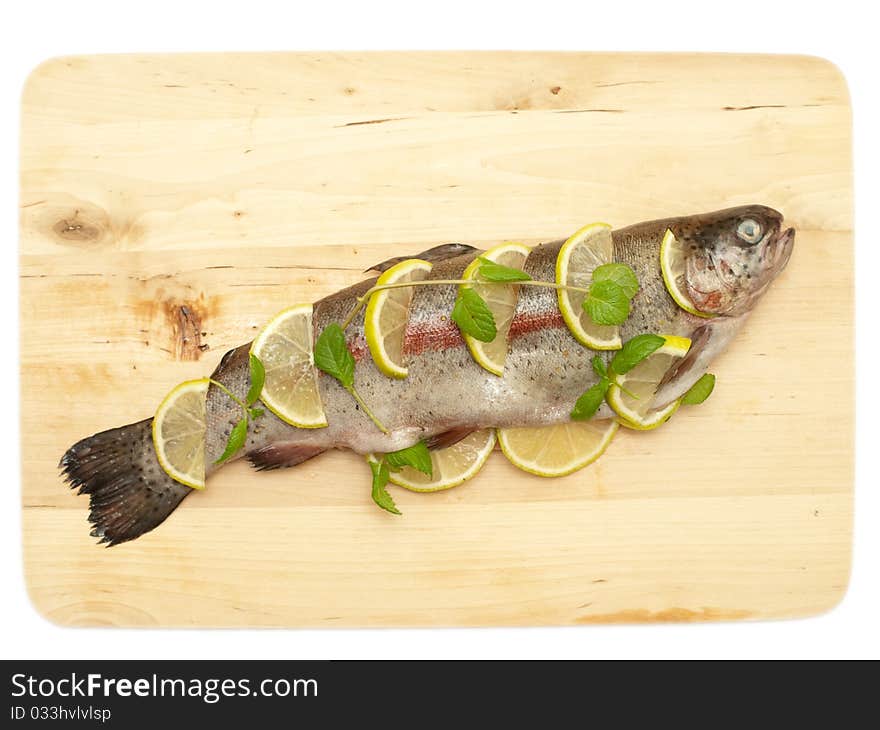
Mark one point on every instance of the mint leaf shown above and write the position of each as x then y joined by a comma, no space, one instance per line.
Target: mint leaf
490,271
255,412
699,391
607,303
620,274
473,316
333,356
417,456
258,377
587,405
599,366
237,436
634,351
380,481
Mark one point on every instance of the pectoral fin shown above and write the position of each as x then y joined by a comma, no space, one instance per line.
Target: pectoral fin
706,342
447,438
699,339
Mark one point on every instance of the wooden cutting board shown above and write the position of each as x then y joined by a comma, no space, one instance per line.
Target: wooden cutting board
171,204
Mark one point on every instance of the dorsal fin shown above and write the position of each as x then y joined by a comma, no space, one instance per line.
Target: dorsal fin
437,253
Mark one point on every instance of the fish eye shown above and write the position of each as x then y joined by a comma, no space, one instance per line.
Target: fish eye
749,230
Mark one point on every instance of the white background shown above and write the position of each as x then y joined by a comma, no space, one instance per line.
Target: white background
841,31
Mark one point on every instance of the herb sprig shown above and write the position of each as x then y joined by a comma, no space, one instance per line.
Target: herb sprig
417,456
625,359
631,354
334,358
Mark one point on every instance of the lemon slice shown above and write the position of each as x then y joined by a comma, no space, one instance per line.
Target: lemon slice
179,433
642,381
387,315
450,466
587,249
285,349
501,300
672,266
554,451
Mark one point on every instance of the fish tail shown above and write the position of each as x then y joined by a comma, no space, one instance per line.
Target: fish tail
129,493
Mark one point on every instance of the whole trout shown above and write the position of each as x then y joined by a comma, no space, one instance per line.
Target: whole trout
732,257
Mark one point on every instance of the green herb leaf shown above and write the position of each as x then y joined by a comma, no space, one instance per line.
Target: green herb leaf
620,274
333,356
490,271
473,316
255,412
699,391
417,456
380,481
599,366
634,351
237,436
587,405
607,303
258,377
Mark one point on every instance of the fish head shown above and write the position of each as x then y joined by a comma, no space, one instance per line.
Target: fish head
733,255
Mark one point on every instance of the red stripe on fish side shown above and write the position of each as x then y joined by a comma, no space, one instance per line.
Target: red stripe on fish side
431,337
419,338
527,323
445,334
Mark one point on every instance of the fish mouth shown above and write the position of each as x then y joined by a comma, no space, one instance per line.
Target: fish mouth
777,252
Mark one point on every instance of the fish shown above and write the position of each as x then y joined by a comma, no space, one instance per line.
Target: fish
732,257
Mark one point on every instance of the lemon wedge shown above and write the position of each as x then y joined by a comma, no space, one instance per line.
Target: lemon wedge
387,315
672,266
285,347
179,433
642,381
554,451
579,256
501,300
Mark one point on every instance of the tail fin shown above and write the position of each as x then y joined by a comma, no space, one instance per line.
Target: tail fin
129,493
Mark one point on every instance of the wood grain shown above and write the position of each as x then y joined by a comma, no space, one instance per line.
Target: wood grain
171,204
